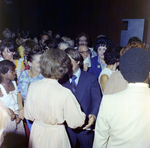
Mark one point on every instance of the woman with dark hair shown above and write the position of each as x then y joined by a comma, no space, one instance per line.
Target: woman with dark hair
116,82
27,77
8,95
49,104
9,52
98,63
111,57
50,43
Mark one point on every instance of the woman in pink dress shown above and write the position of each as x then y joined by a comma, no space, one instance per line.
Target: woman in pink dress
49,104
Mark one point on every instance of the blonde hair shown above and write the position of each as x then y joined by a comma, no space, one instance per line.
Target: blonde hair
55,63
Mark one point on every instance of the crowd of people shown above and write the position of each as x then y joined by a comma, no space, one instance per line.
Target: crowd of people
56,92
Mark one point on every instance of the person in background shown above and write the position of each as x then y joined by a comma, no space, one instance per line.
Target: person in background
71,43
9,52
116,82
124,117
27,46
49,104
50,33
63,45
111,58
44,37
86,55
57,35
7,33
97,63
83,39
51,44
134,39
27,77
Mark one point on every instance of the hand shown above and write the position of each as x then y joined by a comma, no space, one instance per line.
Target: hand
86,66
11,114
18,120
21,114
90,122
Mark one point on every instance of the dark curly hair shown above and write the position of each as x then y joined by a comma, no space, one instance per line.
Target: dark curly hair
79,36
102,41
5,66
134,40
112,55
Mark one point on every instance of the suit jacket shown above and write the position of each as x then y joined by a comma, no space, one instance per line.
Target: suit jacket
124,119
87,93
95,67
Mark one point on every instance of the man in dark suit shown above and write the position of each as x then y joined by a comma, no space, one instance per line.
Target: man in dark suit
86,89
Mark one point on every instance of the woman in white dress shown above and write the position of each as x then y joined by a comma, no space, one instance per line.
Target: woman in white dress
15,132
111,57
49,104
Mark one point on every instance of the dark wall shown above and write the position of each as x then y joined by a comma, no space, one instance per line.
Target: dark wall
70,17
10,15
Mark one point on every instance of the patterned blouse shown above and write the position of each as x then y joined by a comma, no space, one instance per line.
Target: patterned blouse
24,82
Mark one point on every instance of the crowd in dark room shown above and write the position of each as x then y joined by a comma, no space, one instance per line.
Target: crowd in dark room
66,81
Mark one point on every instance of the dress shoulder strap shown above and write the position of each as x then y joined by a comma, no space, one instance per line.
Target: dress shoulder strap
15,85
3,90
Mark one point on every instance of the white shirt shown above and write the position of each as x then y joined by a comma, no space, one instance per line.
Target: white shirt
123,120
77,74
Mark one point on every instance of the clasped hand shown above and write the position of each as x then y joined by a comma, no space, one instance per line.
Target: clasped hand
90,121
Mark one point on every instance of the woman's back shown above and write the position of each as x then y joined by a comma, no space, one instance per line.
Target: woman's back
49,104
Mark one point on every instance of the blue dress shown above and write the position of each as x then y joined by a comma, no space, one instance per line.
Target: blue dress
24,82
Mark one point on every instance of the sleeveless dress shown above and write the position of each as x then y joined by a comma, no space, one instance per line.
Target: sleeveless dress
106,71
15,134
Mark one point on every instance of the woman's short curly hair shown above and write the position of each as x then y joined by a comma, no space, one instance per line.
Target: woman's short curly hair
5,66
102,41
112,55
55,63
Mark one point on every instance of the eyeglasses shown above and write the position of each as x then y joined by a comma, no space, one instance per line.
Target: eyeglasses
82,52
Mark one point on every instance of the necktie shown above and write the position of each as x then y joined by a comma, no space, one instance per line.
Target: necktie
73,83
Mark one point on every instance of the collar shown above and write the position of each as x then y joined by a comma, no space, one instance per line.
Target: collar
101,63
138,85
77,74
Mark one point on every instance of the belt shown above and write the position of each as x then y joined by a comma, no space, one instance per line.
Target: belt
48,125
